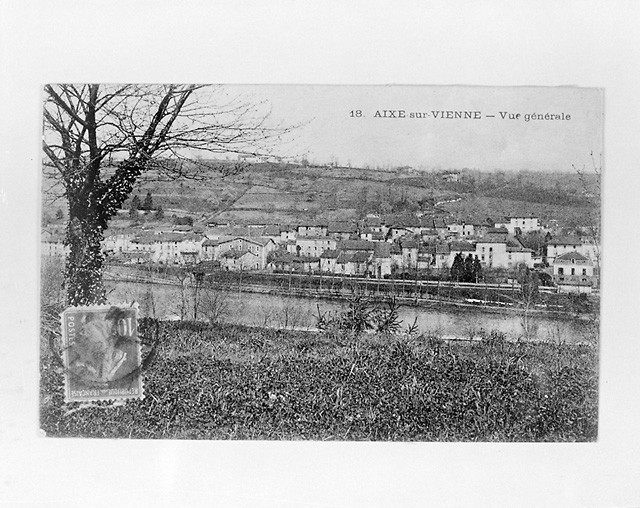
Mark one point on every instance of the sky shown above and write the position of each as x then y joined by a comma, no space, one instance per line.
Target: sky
329,132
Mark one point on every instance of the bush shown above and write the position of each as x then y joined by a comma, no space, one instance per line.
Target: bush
237,382
362,314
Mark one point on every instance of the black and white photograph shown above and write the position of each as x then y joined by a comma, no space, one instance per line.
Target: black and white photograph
341,254
378,263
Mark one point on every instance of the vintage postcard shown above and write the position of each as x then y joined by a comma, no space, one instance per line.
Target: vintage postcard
397,263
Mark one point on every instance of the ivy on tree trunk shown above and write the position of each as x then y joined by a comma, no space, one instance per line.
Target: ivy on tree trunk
89,215
143,126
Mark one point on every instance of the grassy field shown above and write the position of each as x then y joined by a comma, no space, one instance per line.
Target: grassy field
236,382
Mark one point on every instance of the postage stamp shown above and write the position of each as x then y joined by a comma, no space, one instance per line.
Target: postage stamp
101,353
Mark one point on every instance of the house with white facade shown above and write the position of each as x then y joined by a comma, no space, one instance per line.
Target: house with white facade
290,246
573,272
238,260
259,246
425,258
314,245
190,247
134,257
213,248
381,262
409,248
118,240
559,245
311,229
461,229
353,263
328,261
175,248
495,252
525,223
146,243
518,254
492,253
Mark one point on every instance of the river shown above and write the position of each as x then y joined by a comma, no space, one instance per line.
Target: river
267,310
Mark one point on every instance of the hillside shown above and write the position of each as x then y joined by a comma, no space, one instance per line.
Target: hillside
280,193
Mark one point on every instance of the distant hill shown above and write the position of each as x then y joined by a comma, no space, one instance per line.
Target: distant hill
280,192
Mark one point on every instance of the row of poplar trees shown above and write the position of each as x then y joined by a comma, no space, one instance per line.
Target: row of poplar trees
466,269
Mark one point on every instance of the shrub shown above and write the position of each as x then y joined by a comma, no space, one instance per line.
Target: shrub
238,382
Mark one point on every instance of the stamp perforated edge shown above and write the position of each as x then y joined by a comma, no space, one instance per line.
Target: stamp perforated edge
65,359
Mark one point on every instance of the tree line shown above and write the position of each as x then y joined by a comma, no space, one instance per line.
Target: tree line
467,269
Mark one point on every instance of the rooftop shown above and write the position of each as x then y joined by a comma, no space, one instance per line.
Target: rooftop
314,238
571,256
358,257
330,254
236,254
409,244
462,247
342,227
382,250
356,245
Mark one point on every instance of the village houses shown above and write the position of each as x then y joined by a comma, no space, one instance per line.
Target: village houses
462,248
373,247
461,228
314,245
409,249
259,247
311,229
573,272
342,230
118,240
524,223
563,244
239,260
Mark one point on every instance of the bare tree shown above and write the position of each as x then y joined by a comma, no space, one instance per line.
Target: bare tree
528,296
290,316
213,304
100,140
590,181
184,281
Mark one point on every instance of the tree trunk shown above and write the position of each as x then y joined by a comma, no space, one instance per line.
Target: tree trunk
83,270
90,209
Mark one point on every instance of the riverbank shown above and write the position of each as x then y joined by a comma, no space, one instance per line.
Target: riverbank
442,302
239,382
315,292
